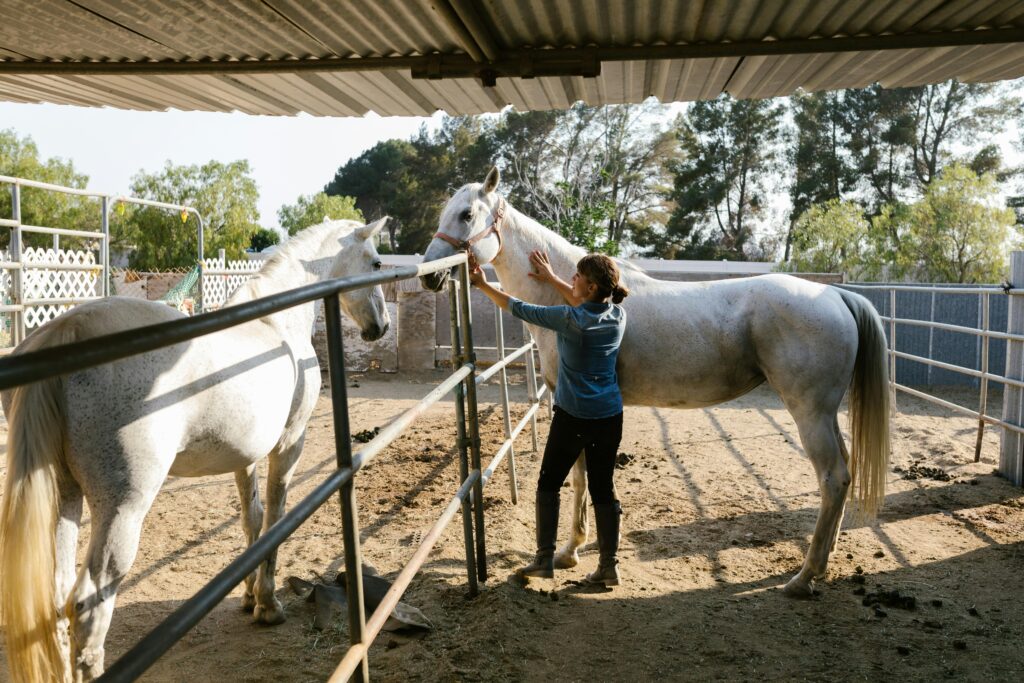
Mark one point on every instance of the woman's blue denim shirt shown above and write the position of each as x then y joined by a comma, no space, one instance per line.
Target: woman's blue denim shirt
588,345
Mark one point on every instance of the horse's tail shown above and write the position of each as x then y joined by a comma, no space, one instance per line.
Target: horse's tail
28,520
869,407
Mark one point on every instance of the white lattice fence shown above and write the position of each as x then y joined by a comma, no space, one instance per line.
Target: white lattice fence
221,279
46,283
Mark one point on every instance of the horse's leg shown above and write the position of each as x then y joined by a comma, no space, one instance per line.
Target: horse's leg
248,482
846,458
822,445
70,517
282,464
569,556
116,527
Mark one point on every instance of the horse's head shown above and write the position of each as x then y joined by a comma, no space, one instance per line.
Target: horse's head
364,306
471,220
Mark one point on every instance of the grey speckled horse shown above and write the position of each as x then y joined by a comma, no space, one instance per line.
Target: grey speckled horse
112,434
696,344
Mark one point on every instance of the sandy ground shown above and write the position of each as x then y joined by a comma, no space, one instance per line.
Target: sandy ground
719,506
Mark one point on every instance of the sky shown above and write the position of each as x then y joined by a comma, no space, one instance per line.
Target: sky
289,156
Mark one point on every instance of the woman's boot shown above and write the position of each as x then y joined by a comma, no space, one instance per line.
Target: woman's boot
543,565
606,518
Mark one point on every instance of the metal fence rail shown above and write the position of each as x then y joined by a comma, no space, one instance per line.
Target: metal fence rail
56,361
18,266
1010,461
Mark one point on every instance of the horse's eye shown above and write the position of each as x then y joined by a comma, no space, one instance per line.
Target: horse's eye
465,216
376,265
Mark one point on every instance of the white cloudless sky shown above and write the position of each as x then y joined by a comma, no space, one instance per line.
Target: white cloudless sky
289,156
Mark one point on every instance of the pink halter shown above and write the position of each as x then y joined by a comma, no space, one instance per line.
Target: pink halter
497,217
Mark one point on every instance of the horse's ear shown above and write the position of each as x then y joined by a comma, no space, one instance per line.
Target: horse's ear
492,180
365,232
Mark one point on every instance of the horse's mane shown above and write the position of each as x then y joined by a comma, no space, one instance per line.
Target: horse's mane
302,246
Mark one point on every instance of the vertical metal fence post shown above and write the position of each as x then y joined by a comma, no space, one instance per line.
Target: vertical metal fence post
460,424
1011,464
892,351
474,422
18,274
105,244
499,335
531,383
983,400
346,495
931,340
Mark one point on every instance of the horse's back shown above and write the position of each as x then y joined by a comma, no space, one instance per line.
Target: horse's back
207,405
694,344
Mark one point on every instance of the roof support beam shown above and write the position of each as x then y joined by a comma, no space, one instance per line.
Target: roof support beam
452,20
524,63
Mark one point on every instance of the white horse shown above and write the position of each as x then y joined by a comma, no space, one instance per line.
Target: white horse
216,404
696,344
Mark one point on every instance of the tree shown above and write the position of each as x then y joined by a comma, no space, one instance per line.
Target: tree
880,126
817,154
377,180
729,151
572,168
224,194
19,158
959,231
828,238
263,238
313,209
411,181
952,112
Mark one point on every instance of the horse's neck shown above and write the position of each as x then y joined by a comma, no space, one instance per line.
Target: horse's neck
521,236
302,264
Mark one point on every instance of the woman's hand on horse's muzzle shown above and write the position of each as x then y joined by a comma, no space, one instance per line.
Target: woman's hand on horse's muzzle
476,273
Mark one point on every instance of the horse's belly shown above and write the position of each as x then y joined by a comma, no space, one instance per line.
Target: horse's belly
230,437
203,459
687,385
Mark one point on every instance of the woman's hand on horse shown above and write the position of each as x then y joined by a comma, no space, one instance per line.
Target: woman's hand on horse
541,266
476,273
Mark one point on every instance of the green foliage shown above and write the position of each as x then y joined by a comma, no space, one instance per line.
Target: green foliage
817,154
576,170
959,232
19,158
730,150
411,181
263,238
584,223
313,209
829,237
224,194
880,125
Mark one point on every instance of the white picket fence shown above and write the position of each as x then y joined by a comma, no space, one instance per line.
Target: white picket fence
222,277
72,276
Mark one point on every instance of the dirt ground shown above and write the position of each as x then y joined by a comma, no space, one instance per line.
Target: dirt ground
719,505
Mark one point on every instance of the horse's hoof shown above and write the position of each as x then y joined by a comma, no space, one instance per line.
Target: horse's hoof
567,560
798,588
270,616
248,602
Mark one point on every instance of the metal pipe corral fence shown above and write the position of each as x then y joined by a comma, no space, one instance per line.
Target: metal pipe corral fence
39,365
1011,461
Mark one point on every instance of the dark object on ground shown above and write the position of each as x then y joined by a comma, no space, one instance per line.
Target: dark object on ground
891,598
918,471
329,597
366,435
623,459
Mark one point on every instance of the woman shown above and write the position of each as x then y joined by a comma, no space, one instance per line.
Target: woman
588,404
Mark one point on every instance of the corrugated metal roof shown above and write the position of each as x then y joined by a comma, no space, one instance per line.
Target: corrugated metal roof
349,57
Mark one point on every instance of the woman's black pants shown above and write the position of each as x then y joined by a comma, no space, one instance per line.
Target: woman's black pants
569,435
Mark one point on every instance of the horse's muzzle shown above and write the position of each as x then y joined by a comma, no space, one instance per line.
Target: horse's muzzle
374,332
434,281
